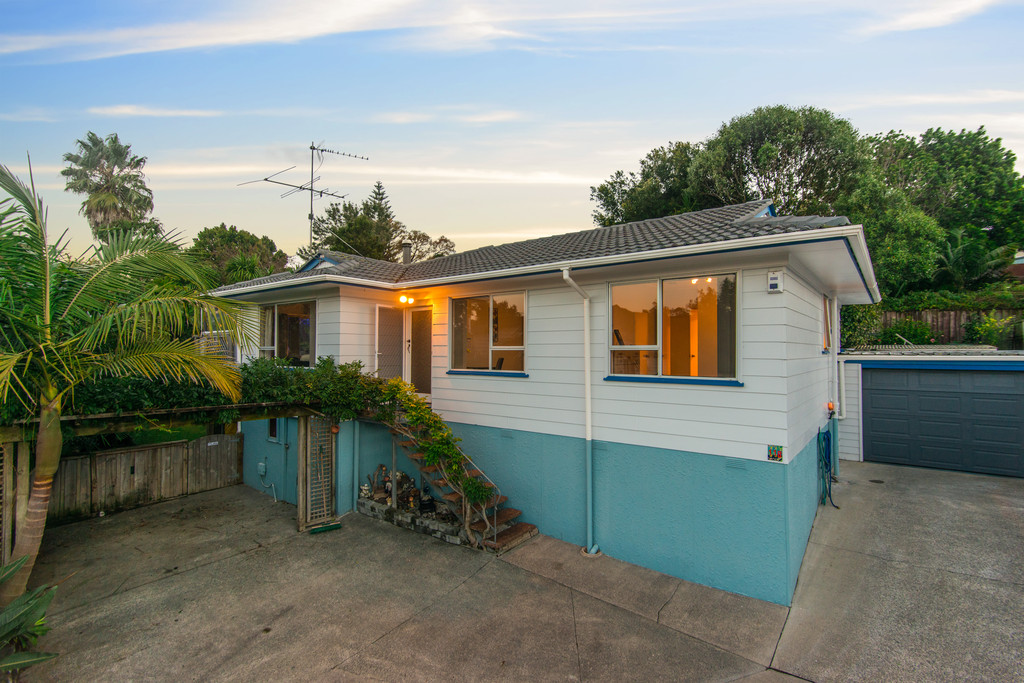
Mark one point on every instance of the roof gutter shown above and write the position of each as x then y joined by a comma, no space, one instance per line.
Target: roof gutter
853,234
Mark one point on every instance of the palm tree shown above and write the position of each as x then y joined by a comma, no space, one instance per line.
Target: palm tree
130,307
245,267
965,262
105,170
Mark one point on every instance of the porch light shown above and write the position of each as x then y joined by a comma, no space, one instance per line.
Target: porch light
693,281
406,299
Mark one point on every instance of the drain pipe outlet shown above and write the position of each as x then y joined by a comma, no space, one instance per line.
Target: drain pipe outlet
591,547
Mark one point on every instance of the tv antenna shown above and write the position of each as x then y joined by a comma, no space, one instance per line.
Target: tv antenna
315,152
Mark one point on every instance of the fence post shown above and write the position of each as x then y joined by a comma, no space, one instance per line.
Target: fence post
22,485
8,500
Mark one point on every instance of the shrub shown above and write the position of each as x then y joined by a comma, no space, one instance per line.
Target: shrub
860,325
914,331
985,328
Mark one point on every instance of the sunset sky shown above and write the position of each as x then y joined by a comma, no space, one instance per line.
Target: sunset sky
486,121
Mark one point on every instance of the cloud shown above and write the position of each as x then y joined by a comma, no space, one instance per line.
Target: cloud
449,113
969,97
29,114
914,16
446,25
140,110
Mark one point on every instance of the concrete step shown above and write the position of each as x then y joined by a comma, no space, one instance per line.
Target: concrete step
511,537
505,515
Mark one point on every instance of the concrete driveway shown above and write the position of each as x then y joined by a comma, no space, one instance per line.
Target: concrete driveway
919,577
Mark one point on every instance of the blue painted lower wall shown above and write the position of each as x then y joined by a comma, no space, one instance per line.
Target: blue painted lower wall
739,525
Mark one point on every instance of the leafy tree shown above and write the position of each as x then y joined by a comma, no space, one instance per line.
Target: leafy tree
904,242
111,178
134,307
804,159
371,230
663,187
966,262
964,180
219,246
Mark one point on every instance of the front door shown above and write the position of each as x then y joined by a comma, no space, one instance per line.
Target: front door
419,348
404,345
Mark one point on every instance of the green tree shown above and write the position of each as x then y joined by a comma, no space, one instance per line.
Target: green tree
903,241
245,267
218,246
964,180
663,187
803,159
371,230
134,307
966,262
111,178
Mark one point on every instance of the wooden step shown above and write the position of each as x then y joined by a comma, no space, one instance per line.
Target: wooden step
430,469
444,481
511,537
415,456
408,443
455,496
504,516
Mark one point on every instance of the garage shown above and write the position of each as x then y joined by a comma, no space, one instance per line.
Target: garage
965,416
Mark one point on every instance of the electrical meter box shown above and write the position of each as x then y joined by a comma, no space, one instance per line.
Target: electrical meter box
774,281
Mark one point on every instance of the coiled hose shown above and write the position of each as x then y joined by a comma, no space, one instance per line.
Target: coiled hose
825,466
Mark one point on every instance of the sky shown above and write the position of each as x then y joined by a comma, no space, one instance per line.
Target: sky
486,122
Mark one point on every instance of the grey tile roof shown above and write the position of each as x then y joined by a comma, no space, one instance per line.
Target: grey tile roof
721,224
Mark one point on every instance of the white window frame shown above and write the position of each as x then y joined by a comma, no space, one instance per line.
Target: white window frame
491,348
659,332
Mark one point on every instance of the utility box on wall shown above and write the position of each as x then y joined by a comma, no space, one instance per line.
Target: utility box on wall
774,281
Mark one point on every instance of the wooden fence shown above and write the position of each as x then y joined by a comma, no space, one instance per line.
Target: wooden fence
949,324
126,478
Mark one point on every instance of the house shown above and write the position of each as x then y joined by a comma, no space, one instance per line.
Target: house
653,390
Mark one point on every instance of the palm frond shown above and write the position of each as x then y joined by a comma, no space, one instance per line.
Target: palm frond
178,360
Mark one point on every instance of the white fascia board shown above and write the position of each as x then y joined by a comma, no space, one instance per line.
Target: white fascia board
992,358
854,233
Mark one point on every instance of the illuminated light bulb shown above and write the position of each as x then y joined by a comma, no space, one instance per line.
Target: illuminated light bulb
709,279
831,405
693,281
411,300
403,298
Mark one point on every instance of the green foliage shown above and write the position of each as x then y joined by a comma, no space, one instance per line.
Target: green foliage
1007,295
111,177
22,622
986,328
966,262
860,325
371,230
913,331
663,187
904,242
804,159
964,180
236,255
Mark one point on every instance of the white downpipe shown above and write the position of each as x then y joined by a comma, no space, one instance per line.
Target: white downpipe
591,547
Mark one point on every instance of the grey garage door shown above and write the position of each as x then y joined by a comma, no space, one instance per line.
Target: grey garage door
952,419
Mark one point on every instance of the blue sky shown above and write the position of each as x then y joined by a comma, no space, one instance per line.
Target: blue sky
486,121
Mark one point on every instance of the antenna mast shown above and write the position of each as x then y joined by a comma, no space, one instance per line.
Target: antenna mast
314,151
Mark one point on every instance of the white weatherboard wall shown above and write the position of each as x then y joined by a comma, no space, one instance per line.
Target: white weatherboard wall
850,426
807,393
780,363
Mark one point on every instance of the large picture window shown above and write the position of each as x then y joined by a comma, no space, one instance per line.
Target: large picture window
683,327
488,333
288,331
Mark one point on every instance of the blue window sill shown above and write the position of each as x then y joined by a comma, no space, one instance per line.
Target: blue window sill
674,380
487,373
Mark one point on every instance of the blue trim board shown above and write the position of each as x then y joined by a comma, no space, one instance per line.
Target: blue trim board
674,380
900,363
487,373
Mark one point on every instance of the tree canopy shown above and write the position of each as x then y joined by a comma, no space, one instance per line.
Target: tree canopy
371,230
235,255
912,194
111,178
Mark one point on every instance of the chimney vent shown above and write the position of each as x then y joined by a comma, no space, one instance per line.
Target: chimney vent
406,252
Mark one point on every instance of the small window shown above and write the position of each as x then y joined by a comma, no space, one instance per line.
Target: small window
272,429
288,331
681,327
489,333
